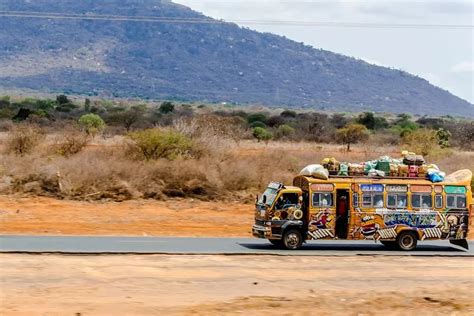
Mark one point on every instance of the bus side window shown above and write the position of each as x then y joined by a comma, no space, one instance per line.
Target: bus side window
355,200
456,201
396,200
322,199
450,201
415,200
438,201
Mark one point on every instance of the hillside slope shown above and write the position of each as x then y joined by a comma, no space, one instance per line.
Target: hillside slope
202,62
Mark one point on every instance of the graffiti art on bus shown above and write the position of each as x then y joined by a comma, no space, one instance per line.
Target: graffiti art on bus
321,225
430,224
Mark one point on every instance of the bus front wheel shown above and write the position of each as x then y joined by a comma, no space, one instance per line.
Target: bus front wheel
292,239
406,241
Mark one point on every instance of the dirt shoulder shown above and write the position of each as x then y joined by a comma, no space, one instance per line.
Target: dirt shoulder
180,218
254,285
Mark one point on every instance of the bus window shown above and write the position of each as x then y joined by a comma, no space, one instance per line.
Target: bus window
396,200
322,199
455,201
438,201
372,200
421,201
355,200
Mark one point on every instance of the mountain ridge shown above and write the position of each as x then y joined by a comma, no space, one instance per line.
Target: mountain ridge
214,62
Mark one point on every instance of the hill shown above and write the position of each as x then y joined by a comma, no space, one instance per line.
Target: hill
215,62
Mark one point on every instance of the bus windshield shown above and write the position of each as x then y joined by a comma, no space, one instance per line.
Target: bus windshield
270,194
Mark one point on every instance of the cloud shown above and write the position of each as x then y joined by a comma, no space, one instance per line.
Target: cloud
462,67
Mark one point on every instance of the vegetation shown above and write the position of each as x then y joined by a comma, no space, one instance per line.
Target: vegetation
352,134
206,152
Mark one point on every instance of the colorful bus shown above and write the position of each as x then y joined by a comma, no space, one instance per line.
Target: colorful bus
398,212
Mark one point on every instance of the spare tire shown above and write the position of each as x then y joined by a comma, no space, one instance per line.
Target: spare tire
298,214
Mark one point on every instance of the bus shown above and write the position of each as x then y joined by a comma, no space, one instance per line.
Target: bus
397,212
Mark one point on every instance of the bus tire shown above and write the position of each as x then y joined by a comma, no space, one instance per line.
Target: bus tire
406,240
276,242
292,239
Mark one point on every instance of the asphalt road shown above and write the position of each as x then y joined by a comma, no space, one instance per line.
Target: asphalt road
229,246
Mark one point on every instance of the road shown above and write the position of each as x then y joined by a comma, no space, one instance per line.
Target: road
229,246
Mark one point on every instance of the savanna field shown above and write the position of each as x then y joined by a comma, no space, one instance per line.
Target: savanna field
112,167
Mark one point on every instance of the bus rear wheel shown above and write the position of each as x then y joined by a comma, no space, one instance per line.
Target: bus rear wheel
292,239
406,241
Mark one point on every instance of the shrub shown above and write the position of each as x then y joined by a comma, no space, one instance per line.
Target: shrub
62,99
369,120
351,134
256,117
423,141
23,139
91,123
71,142
262,134
166,107
285,131
257,124
155,143
288,114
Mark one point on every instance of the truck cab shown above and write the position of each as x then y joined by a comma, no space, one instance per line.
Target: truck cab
280,216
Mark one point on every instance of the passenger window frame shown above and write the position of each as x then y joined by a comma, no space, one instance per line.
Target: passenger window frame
320,193
456,196
372,199
436,201
397,196
421,195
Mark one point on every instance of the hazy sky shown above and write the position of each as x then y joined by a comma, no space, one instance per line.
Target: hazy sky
443,56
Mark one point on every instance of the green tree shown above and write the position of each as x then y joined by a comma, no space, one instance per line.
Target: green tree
352,134
261,134
285,131
258,124
166,107
91,123
62,99
369,120
443,137
423,141
155,143
288,114
257,117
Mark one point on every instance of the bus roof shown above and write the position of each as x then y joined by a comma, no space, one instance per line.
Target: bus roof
461,177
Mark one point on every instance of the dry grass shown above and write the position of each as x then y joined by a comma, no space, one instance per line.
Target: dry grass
227,170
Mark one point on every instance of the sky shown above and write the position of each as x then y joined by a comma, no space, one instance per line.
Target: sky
442,55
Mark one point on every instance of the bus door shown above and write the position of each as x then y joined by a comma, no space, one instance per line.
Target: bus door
342,213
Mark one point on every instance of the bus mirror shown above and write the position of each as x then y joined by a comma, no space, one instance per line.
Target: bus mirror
264,199
300,198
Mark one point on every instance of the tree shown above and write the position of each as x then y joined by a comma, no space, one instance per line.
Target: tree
285,131
288,114
62,99
352,134
91,123
443,137
423,141
369,120
262,134
260,117
257,124
155,143
166,107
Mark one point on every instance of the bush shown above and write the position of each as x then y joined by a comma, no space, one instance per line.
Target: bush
166,107
155,143
285,131
257,117
91,123
351,134
71,142
258,124
262,134
23,139
423,141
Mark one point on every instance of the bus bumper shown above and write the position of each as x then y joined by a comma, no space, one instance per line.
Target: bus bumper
261,231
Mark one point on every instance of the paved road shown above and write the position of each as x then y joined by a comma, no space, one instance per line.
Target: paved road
154,245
